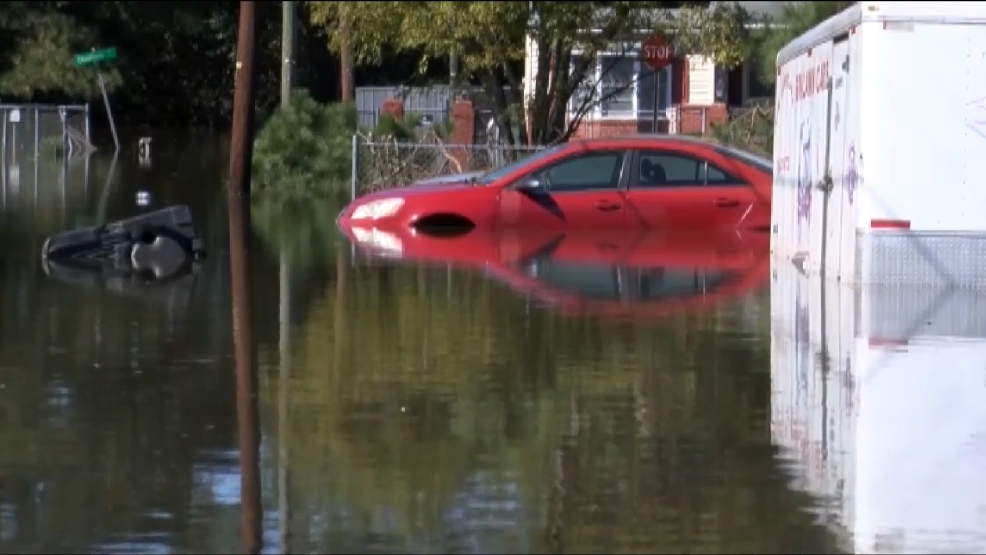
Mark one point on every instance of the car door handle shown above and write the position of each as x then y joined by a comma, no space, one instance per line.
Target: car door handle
607,206
726,203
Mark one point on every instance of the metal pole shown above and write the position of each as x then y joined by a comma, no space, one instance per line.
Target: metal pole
104,198
288,39
109,111
37,134
85,179
88,137
355,169
657,101
283,409
3,154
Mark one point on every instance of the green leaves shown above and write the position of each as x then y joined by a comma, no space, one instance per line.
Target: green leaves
721,32
41,56
304,149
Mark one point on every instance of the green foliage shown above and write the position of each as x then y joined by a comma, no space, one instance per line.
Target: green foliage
297,231
721,32
305,149
795,19
751,130
489,40
38,54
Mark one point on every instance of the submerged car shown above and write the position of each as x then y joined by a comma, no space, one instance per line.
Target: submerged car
158,244
647,181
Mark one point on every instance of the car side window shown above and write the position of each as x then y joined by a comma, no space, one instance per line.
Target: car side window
596,170
665,169
591,281
665,283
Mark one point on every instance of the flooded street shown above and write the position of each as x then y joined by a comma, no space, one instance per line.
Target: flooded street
425,408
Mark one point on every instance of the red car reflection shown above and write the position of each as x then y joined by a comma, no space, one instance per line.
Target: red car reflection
604,273
656,181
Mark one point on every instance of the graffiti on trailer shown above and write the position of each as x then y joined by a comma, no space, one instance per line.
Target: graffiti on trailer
801,344
852,172
975,116
804,175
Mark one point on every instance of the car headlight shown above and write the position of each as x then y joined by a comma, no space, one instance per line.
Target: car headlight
376,209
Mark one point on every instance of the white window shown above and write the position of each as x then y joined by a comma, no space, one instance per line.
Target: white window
626,86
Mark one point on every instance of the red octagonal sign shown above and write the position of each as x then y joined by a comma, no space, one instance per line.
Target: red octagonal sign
657,52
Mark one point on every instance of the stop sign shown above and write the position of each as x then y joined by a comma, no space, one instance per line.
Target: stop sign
657,52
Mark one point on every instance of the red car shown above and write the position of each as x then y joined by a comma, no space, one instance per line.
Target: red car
606,273
658,181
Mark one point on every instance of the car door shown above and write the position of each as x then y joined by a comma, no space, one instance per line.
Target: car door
676,189
584,190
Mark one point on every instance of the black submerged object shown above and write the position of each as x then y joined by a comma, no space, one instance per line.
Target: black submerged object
157,244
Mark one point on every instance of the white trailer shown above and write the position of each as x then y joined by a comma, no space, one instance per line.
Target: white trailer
878,399
880,145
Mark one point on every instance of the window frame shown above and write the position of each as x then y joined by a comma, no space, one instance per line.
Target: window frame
622,167
596,74
634,178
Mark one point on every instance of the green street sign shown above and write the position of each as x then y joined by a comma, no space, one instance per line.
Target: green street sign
96,56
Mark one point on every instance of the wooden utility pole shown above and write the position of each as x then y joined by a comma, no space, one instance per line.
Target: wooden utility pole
347,83
247,409
289,22
241,147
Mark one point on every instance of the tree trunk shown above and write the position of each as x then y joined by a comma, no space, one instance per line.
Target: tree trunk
348,85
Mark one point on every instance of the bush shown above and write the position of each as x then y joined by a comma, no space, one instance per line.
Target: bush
305,149
750,128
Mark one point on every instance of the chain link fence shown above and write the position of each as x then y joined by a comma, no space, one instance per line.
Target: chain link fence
32,130
382,162
42,154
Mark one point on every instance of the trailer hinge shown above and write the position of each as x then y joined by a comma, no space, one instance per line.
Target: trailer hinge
826,184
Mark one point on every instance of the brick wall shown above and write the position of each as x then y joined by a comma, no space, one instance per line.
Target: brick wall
463,126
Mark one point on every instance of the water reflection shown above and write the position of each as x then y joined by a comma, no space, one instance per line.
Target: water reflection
642,274
879,403
431,410
417,406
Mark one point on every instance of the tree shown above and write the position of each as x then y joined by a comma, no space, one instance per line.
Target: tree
37,46
795,19
493,41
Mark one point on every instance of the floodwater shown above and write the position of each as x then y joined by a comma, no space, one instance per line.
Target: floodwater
404,408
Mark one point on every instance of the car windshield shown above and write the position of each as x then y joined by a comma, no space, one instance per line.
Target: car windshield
761,163
503,171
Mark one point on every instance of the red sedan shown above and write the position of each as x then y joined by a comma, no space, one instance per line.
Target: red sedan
657,181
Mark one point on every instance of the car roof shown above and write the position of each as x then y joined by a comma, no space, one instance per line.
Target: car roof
652,138
648,138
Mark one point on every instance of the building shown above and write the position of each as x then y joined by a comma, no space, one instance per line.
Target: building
690,94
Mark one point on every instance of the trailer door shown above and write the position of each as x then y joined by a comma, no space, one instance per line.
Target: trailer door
839,115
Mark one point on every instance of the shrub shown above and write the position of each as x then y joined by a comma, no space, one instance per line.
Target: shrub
305,149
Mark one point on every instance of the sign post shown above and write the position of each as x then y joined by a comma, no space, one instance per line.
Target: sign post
657,53
94,58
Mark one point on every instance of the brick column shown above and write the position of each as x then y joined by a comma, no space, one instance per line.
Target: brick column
463,132
393,107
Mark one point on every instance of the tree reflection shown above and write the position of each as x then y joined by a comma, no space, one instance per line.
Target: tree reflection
429,414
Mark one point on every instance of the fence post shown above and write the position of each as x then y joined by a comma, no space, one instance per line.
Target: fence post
354,182
37,136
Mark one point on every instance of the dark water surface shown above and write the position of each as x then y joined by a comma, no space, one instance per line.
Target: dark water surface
402,408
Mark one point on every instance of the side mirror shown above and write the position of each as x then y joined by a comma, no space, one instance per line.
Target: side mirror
528,184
